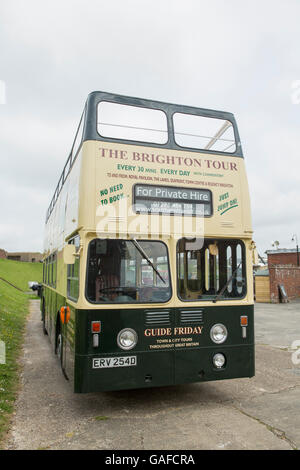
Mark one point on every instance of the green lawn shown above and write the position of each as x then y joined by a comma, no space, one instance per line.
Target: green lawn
20,273
13,311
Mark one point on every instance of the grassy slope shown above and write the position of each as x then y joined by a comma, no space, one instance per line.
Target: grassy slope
20,273
13,311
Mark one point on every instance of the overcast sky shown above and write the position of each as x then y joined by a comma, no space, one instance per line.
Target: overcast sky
237,56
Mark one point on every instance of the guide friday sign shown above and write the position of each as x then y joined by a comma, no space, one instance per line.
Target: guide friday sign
169,338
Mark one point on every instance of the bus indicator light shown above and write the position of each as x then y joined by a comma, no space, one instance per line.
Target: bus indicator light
244,320
65,315
96,326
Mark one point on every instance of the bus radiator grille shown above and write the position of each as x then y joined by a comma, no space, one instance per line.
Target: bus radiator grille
159,317
191,316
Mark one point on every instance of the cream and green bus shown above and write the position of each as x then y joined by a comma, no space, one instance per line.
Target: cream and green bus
148,250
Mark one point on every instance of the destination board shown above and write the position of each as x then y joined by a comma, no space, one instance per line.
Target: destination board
172,200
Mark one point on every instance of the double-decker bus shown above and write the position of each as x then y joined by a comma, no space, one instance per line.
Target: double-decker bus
147,275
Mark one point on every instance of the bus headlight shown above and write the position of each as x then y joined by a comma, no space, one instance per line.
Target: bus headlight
127,339
219,360
218,333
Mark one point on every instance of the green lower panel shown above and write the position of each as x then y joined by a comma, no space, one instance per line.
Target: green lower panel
156,369
152,369
197,365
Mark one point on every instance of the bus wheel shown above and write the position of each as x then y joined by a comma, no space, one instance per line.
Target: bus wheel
59,340
59,347
59,343
43,320
44,327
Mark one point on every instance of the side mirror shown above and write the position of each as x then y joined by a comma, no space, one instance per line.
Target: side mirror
33,285
69,254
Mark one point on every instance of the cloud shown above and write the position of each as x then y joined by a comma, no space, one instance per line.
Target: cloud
237,56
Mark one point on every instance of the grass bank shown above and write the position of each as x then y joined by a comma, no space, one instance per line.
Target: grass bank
13,312
19,274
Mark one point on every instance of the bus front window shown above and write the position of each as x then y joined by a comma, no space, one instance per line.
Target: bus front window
211,269
128,271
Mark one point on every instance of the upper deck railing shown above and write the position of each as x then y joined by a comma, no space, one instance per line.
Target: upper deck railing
115,118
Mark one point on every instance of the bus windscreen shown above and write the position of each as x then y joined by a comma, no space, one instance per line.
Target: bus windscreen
121,272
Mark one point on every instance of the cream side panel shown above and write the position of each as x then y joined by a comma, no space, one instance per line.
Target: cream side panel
72,208
87,199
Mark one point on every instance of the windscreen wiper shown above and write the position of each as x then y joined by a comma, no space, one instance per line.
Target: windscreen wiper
226,285
146,257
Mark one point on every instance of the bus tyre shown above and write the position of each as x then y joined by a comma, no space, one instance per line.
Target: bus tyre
43,320
44,326
59,350
59,347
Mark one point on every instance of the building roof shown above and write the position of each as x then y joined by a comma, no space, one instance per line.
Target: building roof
262,272
281,250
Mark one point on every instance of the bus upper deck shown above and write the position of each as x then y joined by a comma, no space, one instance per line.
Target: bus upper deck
132,120
153,188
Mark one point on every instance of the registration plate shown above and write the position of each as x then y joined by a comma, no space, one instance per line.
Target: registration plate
107,362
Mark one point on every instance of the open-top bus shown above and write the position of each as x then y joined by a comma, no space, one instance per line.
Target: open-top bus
148,249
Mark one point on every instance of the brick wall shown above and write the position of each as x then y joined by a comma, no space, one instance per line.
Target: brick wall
289,276
25,256
283,258
2,254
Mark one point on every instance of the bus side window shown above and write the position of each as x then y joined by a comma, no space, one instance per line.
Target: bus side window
47,271
51,270
54,270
